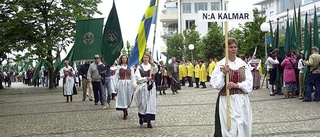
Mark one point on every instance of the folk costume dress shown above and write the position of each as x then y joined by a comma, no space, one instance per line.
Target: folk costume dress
68,81
160,78
125,81
255,70
146,96
112,78
240,108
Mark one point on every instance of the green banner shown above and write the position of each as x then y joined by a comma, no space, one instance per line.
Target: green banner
88,39
68,58
112,39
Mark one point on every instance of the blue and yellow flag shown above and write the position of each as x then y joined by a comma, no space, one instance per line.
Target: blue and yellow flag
143,33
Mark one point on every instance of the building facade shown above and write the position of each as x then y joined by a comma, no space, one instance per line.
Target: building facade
277,9
179,15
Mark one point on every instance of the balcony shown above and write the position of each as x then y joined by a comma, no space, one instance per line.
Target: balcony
169,17
168,33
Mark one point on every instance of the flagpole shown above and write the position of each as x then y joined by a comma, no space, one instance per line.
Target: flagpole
227,73
155,31
294,17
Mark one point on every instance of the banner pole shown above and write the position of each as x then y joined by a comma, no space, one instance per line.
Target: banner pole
227,73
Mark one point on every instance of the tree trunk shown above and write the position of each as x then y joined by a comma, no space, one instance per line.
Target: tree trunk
1,77
51,76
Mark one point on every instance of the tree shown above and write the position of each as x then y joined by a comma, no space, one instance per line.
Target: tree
127,49
191,36
175,45
6,29
212,43
38,26
237,34
253,36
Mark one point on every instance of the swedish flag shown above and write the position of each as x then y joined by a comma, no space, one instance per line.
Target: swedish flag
143,33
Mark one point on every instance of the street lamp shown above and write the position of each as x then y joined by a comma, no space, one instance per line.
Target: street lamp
191,47
265,28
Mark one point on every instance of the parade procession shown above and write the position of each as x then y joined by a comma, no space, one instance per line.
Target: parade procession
200,68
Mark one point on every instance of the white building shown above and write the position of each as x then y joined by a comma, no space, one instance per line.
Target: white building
179,15
274,9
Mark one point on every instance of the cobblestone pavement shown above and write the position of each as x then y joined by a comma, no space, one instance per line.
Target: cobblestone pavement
29,111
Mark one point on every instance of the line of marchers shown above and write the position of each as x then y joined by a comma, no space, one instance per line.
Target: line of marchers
225,16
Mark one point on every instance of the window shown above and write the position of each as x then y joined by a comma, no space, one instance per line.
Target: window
215,5
189,23
283,5
186,7
200,6
308,1
171,10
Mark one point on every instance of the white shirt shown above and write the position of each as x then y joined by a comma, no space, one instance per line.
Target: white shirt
300,65
254,61
117,76
270,62
66,68
153,70
218,77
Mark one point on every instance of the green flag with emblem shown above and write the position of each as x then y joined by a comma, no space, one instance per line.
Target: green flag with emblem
88,39
112,42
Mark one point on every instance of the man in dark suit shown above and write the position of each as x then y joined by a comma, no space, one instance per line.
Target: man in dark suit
173,72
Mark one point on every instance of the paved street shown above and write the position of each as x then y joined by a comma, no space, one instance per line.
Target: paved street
29,111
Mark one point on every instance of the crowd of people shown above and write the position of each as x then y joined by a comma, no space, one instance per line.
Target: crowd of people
291,71
102,82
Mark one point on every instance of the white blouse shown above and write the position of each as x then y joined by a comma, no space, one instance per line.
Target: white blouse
254,61
218,77
153,70
125,66
270,62
301,65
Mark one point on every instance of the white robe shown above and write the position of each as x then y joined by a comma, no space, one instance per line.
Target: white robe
145,99
125,89
113,80
68,86
240,108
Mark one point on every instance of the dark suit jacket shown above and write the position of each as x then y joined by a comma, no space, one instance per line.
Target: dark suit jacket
171,69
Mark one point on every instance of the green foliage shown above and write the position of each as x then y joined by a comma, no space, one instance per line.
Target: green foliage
191,36
127,49
175,46
212,43
253,36
37,26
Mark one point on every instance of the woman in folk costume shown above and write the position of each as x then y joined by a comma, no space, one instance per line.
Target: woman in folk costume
254,64
146,94
160,78
203,74
239,86
113,69
125,85
67,74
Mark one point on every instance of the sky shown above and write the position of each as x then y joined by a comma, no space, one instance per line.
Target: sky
130,13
